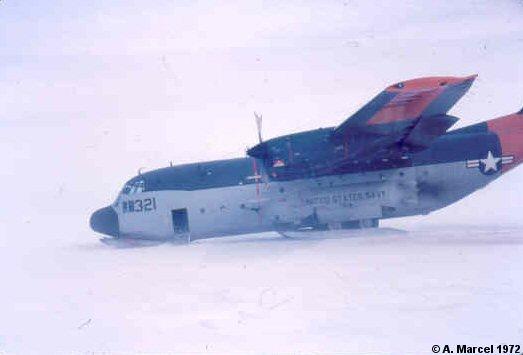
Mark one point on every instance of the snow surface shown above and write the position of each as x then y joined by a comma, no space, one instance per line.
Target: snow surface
387,291
91,91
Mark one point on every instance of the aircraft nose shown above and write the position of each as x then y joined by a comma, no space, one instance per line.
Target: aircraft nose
105,221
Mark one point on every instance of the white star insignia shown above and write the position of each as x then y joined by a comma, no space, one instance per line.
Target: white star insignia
490,162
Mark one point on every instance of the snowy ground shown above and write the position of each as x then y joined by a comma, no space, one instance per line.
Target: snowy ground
387,291
91,91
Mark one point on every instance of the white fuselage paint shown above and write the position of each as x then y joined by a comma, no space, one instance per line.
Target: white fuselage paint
240,209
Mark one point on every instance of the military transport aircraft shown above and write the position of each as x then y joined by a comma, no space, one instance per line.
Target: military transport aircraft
393,158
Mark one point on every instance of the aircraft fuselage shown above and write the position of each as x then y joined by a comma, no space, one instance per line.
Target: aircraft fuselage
247,195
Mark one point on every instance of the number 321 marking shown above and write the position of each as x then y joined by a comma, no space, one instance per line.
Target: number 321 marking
142,205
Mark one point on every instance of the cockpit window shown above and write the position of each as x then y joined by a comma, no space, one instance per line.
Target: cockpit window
133,187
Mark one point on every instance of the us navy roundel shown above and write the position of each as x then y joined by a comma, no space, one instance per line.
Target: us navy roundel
491,164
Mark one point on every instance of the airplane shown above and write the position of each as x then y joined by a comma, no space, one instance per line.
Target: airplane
395,157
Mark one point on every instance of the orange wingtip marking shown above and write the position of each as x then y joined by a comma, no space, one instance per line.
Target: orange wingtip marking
406,105
413,96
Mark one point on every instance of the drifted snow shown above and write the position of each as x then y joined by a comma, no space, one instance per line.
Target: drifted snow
388,291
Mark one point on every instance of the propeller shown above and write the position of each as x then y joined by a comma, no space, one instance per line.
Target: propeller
259,180
259,119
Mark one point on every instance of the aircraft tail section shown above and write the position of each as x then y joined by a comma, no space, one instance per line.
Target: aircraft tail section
509,130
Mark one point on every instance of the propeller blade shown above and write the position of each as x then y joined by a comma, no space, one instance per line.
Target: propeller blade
259,125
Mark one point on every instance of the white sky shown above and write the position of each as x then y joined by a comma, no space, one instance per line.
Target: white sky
92,91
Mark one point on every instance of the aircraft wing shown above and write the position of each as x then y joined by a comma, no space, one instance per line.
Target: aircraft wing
405,116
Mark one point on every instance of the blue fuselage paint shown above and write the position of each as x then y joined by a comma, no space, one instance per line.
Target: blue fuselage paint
458,145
